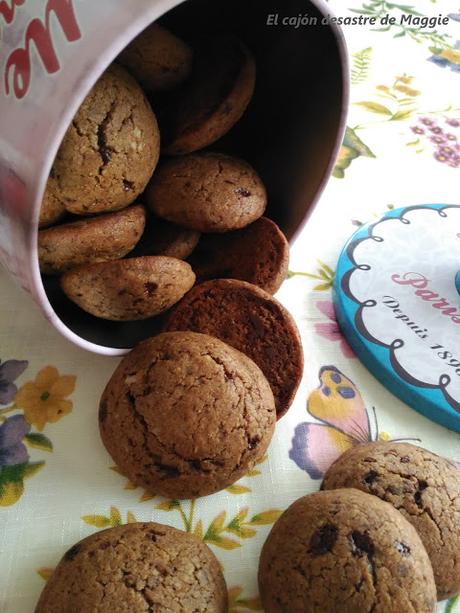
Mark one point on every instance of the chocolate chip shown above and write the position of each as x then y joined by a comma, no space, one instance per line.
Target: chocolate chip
127,185
371,477
360,544
418,498
72,552
405,459
422,485
103,411
402,548
150,288
241,191
323,540
131,399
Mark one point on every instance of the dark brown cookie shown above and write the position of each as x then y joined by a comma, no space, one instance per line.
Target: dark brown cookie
136,567
185,415
157,59
109,151
258,254
252,321
212,101
165,238
208,192
345,552
424,487
128,290
98,239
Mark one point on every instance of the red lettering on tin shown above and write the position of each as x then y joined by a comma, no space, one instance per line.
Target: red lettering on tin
18,65
7,11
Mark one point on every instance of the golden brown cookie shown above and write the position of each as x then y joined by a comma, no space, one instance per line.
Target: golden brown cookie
195,414
157,59
212,101
165,238
424,487
207,192
252,321
98,239
52,209
345,552
110,150
258,254
136,567
128,290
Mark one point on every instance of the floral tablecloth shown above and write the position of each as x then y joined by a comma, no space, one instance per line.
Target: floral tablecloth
58,484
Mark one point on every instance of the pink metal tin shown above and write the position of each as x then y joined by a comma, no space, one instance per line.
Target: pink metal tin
53,51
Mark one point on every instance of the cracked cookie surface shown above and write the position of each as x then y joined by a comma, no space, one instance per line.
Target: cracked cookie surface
185,415
344,551
136,567
252,321
87,241
207,192
110,149
424,487
130,289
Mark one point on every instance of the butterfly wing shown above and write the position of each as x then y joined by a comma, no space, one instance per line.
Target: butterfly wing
337,402
316,446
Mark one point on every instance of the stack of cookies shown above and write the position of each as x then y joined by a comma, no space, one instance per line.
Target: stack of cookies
382,536
137,209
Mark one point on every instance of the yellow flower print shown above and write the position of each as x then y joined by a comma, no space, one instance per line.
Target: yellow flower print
452,55
44,400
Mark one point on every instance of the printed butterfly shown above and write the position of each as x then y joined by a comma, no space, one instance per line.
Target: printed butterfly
339,405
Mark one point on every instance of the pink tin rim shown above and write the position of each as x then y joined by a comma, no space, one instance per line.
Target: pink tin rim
137,25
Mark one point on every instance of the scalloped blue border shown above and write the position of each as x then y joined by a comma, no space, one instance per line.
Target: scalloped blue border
376,358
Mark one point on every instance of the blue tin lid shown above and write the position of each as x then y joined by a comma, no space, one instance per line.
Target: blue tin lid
397,303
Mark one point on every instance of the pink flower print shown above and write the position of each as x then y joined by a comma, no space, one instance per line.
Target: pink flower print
426,121
455,123
331,330
417,130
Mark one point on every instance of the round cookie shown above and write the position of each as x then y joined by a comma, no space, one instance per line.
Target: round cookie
195,415
128,290
165,238
252,321
424,487
258,254
97,239
345,552
52,209
136,567
212,101
157,59
207,192
110,149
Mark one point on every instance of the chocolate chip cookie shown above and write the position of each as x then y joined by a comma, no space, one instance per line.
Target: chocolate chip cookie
212,101
157,59
136,567
97,239
258,254
424,487
185,415
52,209
165,238
344,551
207,192
128,290
110,149
252,321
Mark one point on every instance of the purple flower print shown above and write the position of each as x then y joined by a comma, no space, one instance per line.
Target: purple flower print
12,449
9,371
447,147
331,330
